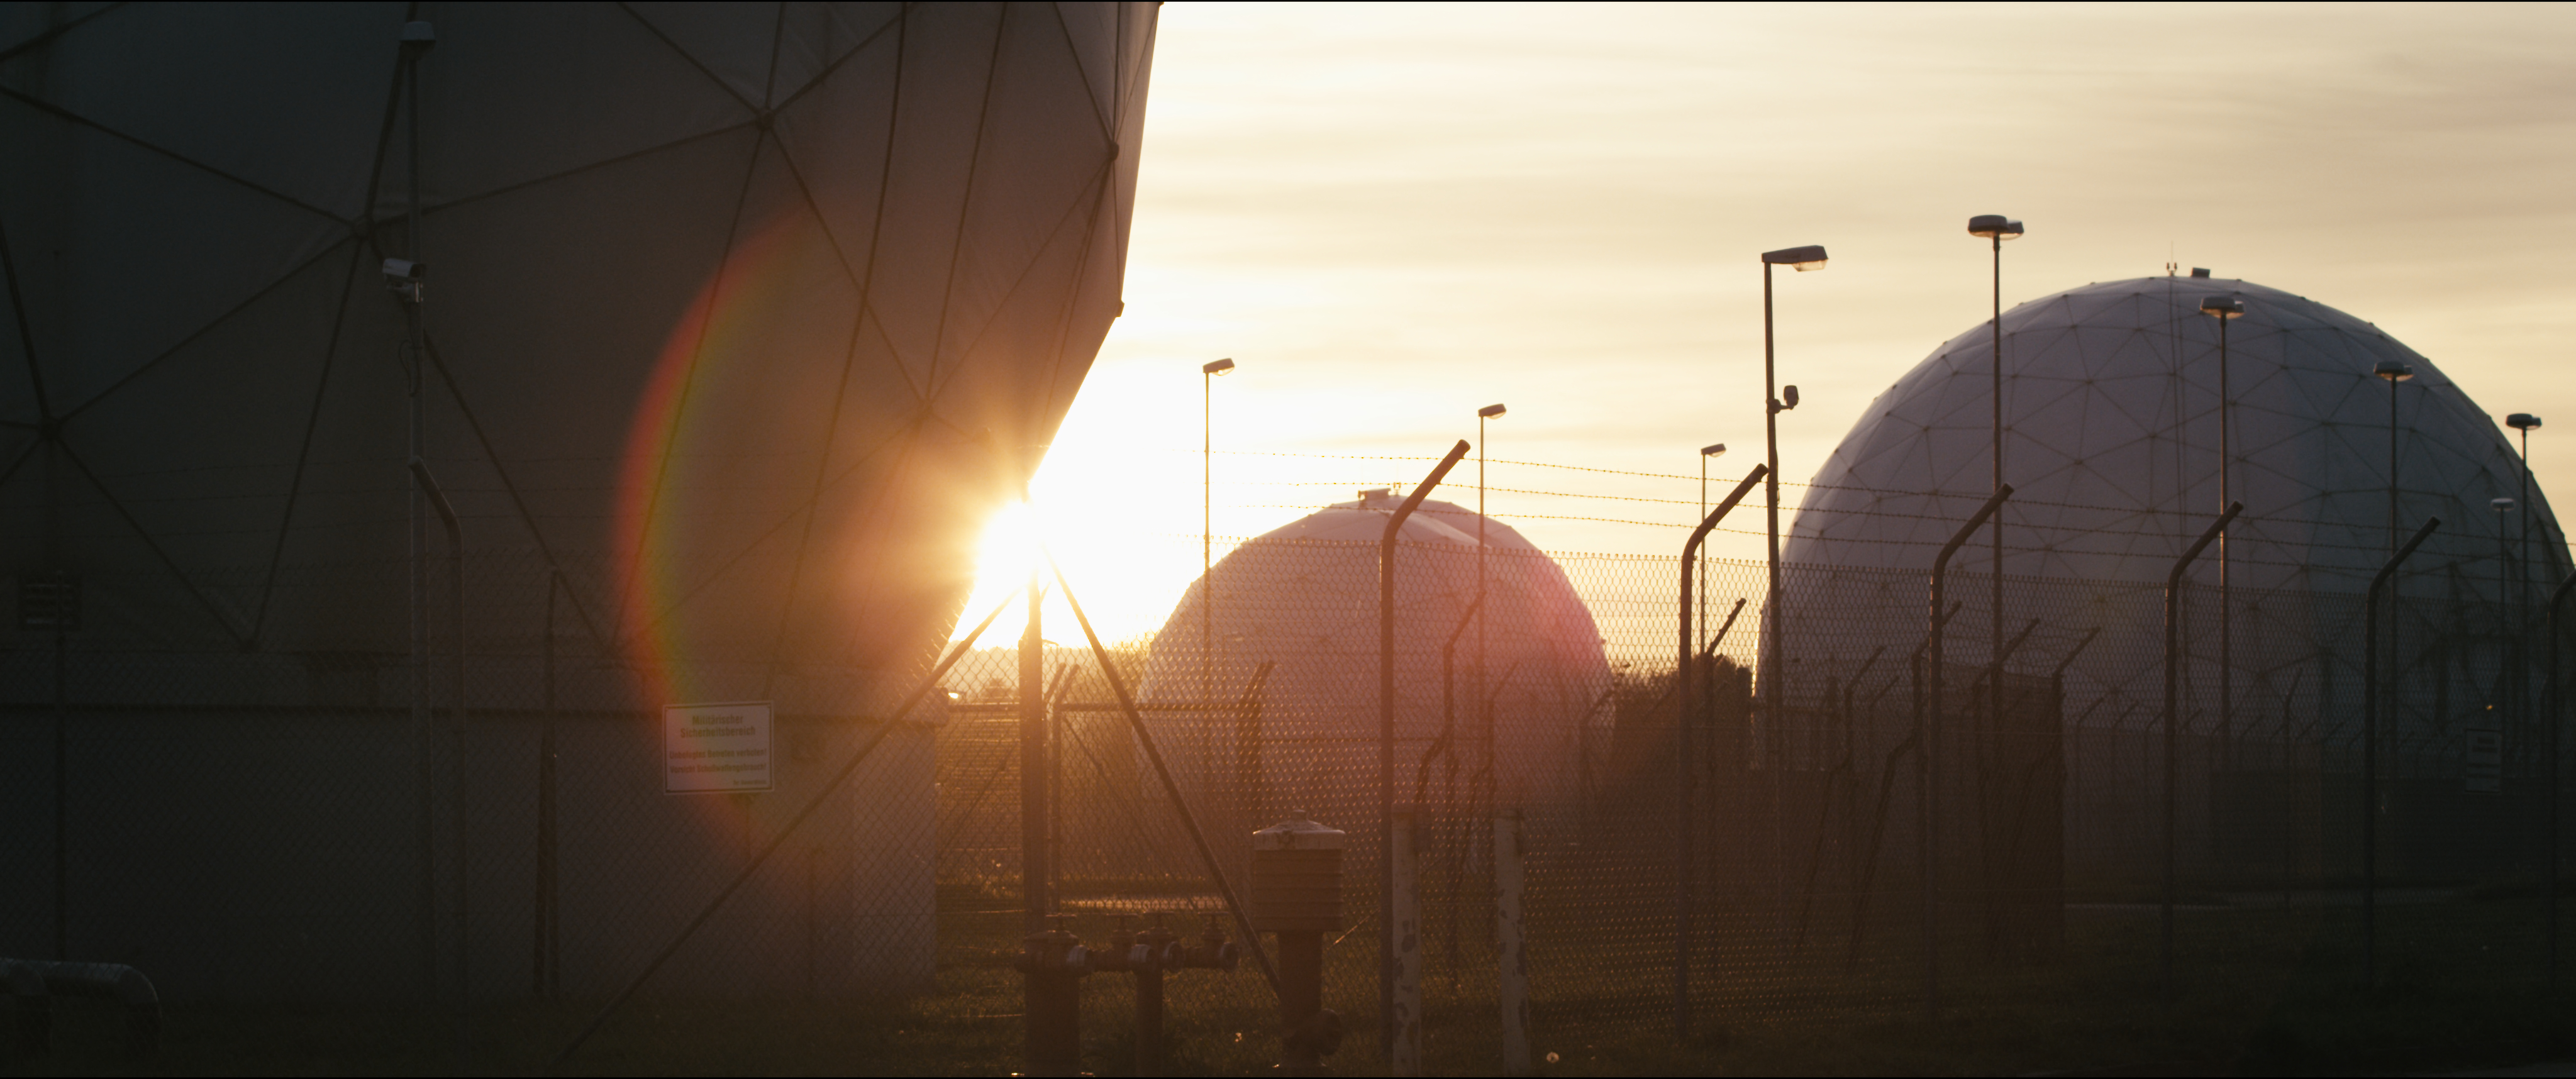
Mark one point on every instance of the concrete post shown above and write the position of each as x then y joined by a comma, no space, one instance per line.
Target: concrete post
1405,1056
1510,947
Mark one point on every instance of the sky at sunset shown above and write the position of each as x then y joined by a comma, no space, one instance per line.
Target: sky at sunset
1392,215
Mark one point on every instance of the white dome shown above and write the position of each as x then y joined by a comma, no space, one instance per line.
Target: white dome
2111,444
1304,598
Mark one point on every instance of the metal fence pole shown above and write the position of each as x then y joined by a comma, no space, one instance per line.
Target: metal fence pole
2370,749
1685,848
1386,742
1932,755
2173,736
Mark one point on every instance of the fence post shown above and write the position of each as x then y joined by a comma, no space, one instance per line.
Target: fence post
1511,947
1405,865
2370,749
1386,741
2173,737
1932,756
1685,839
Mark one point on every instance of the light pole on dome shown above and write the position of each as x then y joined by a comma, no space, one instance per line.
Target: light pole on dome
2225,309
1995,229
2395,371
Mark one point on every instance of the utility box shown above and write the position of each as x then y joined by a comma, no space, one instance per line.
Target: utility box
1297,877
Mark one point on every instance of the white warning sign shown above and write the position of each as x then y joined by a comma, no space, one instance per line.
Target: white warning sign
708,748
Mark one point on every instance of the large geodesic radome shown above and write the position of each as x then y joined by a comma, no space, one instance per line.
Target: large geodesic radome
733,322
2112,444
1490,710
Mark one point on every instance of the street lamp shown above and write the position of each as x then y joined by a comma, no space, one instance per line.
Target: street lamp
1776,401
2523,422
1207,530
1484,700
2395,371
1995,229
2225,309
1700,621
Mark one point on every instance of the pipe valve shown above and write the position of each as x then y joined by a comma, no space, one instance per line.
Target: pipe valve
1054,951
1211,952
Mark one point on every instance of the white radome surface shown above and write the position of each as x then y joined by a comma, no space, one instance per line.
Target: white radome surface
1305,597
2111,444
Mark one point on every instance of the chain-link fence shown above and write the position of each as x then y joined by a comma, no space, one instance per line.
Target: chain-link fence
1820,819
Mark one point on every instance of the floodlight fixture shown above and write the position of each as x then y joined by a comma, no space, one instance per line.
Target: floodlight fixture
1801,259
1713,450
2223,307
2200,271
2393,370
2500,505
2522,421
1217,368
1489,412
1995,227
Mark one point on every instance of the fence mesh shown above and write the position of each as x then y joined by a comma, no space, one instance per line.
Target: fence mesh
1823,816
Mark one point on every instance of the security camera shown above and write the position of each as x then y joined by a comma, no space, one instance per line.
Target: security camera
402,277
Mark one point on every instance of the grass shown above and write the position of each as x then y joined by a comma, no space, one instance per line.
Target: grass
2259,991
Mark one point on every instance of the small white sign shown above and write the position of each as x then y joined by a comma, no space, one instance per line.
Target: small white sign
708,748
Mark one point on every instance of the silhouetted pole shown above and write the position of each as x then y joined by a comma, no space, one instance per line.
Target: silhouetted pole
1386,743
1207,540
2370,749
1995,229
429,489
2225,309
1684,835
1931,752
2173,733
2552,717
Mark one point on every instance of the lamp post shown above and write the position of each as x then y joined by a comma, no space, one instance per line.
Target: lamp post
2395,371
2225,309
1995,229
1207,538
1484,700
2523,422
1700,618
1775,402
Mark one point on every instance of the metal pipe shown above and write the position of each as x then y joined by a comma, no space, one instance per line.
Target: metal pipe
2370,747
1682,755
2173,737
1386,741
1931,751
